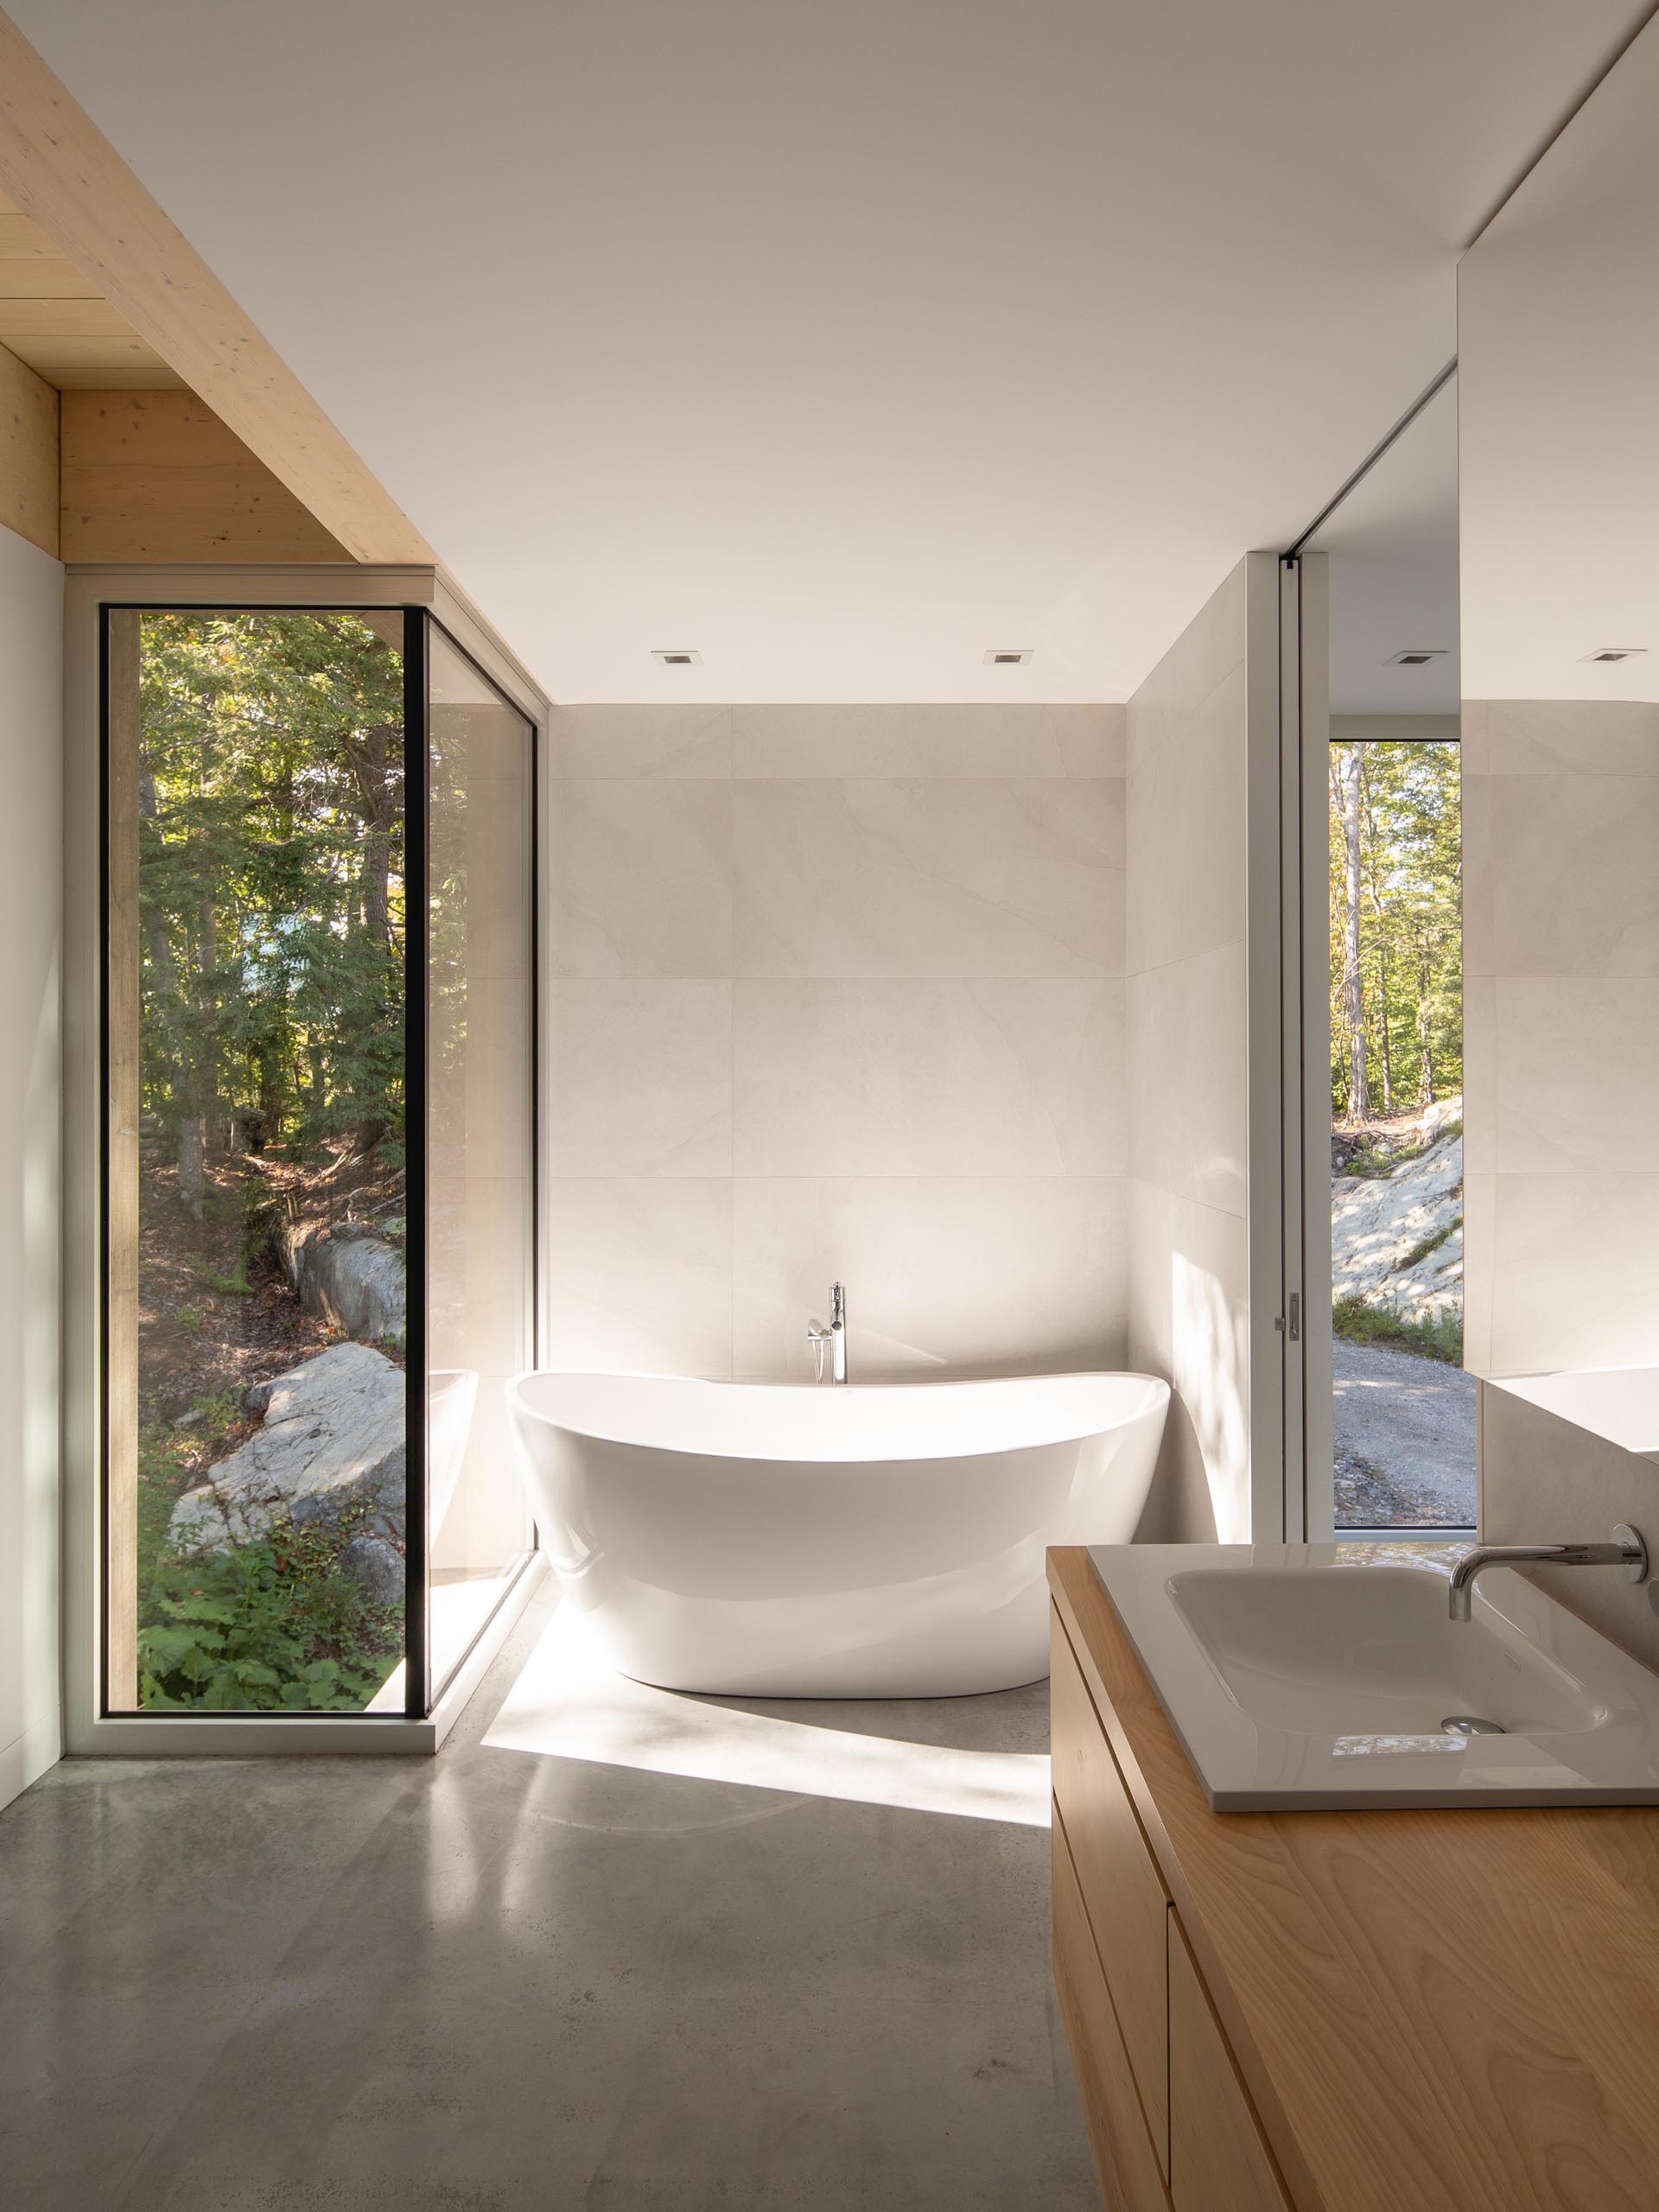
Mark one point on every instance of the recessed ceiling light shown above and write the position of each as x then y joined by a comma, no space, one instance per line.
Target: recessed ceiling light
1614,652
1416,656
676,656
1009,656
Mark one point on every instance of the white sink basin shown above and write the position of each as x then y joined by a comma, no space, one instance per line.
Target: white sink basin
1322,1675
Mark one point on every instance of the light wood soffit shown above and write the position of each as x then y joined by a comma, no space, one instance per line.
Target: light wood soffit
54,318
29,454
64,176
156,476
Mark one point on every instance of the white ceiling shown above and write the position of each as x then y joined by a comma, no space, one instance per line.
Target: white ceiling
1393,550
841,341
1561,440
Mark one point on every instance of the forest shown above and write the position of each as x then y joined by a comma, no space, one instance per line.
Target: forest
270,859
1396,929
272,919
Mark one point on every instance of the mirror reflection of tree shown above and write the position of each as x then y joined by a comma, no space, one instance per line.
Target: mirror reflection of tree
1403,1417
1396,929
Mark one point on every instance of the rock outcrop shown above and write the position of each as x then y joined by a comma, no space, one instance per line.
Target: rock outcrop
377,1566
332,1438
344,1273
1378,1224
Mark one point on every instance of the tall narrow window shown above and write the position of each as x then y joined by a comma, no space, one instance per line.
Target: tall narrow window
258,1101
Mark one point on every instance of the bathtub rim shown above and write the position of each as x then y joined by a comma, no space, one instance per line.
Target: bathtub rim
734,1450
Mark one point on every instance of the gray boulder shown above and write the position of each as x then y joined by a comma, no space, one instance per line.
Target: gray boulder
332,1438
1377,1224
378,1565
347,1275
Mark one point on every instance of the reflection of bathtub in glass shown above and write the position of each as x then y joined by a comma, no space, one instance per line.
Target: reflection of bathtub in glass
870,1540
457,1610
451,1394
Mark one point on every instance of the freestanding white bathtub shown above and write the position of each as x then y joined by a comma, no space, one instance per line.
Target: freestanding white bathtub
878,1539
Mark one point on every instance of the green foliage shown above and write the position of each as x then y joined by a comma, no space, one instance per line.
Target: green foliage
191,1318
1402,802
1357,1323
1370,1165
1431,1243
270,1624
271,876
261,1626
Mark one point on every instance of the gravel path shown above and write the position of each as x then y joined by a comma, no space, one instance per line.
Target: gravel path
1405,1440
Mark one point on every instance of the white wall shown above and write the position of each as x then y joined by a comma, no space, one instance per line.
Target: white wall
1189,1307
1560,811
31,755
1546,1480
837,991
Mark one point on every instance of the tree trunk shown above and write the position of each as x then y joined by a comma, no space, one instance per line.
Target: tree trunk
1380,912
169,1002
207,1083
376,903
372,756
192,1180
1425,1087
1388,1048
267,1072
1349,774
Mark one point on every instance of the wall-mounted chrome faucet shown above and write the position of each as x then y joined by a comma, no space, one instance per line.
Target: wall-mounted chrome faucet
835,1337
1627,1550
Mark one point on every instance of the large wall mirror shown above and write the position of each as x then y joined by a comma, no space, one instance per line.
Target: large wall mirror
1403,1409
1559,467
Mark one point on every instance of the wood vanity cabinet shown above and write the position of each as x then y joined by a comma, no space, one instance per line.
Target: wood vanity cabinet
1435,2011
1169,2117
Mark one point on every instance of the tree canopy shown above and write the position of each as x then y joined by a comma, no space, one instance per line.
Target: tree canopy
271,864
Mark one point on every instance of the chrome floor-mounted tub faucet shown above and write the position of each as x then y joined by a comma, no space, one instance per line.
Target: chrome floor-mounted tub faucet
834,1338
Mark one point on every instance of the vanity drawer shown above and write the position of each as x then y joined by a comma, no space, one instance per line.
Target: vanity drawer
1131,2174
1219,2160
1122,1892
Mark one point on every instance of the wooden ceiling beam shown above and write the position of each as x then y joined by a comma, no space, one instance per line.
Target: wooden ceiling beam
29,455
60,171
156,476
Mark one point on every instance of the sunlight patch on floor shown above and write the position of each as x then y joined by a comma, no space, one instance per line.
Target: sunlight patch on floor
567,1705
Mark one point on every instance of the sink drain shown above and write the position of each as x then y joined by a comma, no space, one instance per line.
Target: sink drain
1471,1724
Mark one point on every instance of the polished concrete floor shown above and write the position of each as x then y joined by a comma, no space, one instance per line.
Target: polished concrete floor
514,1978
